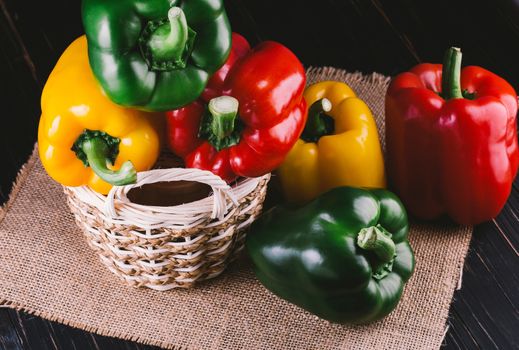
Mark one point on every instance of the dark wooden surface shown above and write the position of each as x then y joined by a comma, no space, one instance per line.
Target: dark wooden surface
384,36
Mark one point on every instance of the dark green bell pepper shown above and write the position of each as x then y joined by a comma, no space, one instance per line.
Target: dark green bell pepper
155,54
344,257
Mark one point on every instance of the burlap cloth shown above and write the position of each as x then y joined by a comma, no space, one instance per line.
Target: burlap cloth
47,269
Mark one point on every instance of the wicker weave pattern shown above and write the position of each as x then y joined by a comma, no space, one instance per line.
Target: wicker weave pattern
168,247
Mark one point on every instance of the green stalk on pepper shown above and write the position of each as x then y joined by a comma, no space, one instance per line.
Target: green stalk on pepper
344,257
155,55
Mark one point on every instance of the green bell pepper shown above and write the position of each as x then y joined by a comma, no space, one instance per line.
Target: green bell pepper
155,54
344,257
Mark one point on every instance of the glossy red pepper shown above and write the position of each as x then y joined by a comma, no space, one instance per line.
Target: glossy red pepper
451,138
249,116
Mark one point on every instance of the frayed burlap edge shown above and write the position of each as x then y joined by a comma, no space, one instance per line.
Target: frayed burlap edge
19,307
19,181
339,74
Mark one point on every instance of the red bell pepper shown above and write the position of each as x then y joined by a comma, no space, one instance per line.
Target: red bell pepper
249,116
451,138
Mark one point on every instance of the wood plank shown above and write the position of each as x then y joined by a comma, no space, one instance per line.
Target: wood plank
9,338
376,35
19,91
36,333
485,310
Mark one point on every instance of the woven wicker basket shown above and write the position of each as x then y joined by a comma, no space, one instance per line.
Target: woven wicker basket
168,247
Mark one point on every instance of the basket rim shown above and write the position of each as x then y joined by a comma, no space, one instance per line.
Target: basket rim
178,218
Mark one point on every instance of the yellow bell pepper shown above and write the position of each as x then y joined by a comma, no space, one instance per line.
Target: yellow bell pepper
339,146
83,136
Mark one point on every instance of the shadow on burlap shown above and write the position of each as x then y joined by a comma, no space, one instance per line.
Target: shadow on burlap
47,269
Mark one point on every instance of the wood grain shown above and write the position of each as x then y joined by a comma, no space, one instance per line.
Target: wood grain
385,36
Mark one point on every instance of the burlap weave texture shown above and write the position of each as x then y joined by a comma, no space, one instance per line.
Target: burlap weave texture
47,268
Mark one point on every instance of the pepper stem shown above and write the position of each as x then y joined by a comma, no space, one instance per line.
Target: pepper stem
169,40
376,239
451,74
98,154
224,110
318,123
